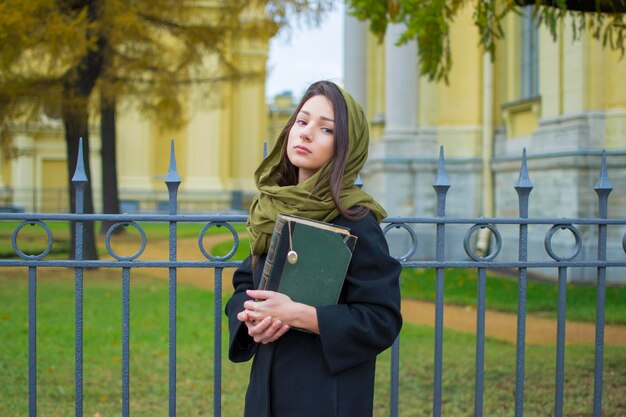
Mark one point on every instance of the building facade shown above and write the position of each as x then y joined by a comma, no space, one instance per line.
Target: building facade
562,100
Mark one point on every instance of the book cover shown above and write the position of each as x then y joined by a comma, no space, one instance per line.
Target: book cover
323,253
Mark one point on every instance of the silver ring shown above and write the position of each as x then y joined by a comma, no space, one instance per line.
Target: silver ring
107,241
218,258
492,255
32,223
413,235
548,242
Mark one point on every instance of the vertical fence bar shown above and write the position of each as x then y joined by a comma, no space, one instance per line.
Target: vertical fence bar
560,343
32,341
394,392
172,181
217,344
480,342
441,187
603,188
79,180
523,187
125,342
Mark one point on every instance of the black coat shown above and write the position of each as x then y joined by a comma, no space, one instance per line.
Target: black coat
330,374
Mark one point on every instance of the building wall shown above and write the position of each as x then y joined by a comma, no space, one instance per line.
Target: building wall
484,121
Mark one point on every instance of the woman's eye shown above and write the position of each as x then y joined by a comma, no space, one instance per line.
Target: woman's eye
327,130
301,122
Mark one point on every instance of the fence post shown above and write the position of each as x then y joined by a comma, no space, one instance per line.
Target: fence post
523,187
441,187
32,342
603,188
79,180
173,182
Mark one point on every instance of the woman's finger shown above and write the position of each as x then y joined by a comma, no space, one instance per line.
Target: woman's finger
251,305
242,316
260,294
282,329
256,331
273,332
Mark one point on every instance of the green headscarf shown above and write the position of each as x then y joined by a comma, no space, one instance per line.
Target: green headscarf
297,199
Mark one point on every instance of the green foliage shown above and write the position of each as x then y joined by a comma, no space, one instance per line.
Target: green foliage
374,11
284,13
151,50
428,22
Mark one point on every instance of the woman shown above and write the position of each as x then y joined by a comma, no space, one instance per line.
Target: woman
328,369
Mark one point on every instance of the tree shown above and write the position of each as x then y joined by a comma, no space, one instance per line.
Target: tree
428,23
56,53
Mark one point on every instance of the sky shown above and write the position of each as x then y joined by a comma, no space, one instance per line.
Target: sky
306,55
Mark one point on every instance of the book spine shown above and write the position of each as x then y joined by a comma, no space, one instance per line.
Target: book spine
271,254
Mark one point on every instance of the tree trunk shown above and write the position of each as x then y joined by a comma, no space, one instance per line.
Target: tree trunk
76,126
78,84
110,196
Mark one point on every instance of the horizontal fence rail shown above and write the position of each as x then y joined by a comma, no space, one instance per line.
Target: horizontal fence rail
480,261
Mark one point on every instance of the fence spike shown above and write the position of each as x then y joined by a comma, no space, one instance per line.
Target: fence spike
441,182
79,173
604,183
358,182
524,184
172,173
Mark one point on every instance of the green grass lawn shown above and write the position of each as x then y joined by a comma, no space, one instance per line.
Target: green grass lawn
149,358
541,296
460,288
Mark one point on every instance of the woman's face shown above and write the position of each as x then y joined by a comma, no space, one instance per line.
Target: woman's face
311,139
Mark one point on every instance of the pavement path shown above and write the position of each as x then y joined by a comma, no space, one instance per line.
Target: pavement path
498,325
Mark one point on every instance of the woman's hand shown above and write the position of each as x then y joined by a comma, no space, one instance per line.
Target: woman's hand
280,307
264,331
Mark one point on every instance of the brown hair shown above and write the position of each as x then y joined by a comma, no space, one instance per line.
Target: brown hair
287,173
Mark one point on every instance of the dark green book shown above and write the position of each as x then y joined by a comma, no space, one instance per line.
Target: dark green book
323,253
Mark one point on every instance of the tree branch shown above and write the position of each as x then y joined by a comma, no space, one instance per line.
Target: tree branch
601,6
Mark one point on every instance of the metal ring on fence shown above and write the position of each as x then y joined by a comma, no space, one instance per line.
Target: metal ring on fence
548,242
32,223
107,241
492,255
218,258
413,235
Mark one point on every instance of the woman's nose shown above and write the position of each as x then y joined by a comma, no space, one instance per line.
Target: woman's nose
305,133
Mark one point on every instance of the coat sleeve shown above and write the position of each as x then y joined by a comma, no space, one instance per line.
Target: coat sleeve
367,318
242,347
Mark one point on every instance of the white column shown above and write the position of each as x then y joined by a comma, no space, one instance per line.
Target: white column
135,151
23,168
394,183
2,185
203,144
355,58
401,84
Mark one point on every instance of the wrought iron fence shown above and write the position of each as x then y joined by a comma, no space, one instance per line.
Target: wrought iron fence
441,185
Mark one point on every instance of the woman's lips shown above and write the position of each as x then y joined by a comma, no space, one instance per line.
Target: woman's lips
302,149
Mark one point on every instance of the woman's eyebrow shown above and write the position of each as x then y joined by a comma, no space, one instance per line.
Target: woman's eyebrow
321,117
